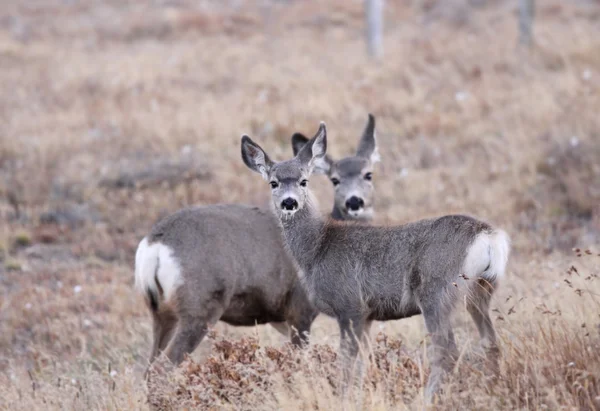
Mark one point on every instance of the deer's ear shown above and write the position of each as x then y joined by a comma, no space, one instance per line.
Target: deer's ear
255,157
321,166
367,148
299,140
313,153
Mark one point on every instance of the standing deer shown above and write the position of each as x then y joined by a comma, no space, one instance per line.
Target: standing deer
358,274
228,262
351,176
219,262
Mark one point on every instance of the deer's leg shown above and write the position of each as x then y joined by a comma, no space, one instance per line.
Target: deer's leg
164,323
300,334
281,327
195,313
188,334
351,333
364,347
442,351
478,305
364,344
299,323
366,332
299,316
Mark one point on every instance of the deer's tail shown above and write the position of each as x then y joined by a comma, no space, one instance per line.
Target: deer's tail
157,272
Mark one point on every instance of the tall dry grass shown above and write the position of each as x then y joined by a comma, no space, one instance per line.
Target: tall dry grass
113,114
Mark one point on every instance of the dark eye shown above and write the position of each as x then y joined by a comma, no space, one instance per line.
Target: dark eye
274,184
369,176
335,181
303,183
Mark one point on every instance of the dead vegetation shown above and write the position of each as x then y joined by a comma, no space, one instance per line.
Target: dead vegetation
548,362
243,375
113,114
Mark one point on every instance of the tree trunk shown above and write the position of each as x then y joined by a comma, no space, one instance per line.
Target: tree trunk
374,20
526,15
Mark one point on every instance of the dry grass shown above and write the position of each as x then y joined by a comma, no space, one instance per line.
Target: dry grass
113,113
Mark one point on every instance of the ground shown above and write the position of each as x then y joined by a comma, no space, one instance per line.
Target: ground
116,113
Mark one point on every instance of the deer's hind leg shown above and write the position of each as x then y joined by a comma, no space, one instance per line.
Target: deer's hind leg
478,305
164,321
442,352
189,333
196,313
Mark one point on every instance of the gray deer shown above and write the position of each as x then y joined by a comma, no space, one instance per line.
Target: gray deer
358,274
228,262
351,176
219,262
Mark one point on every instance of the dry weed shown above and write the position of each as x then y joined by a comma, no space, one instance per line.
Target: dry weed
115,113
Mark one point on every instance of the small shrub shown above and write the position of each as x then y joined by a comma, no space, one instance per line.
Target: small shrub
22,239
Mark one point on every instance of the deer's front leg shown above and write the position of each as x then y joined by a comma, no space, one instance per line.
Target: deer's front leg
351,334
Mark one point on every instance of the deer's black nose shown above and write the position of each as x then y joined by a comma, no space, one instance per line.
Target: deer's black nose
354,203
289,204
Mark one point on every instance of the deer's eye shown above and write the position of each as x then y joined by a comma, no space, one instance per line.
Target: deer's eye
335,181
274,184
369,176
303,183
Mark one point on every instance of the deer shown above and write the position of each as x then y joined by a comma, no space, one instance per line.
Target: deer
352,177
228,263
359,274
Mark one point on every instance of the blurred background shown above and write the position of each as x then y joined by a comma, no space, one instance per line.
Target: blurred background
115,113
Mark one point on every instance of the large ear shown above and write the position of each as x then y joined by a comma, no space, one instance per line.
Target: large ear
314,151
367,148
255,157
321,166
299,140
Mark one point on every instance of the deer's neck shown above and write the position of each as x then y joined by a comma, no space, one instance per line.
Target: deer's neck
339,215
336,214
303,234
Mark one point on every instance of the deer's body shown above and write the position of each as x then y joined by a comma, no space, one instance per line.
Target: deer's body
228,262
358,274
379,273
219,262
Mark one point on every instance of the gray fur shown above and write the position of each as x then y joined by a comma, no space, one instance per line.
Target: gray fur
350,174
358,274
234,268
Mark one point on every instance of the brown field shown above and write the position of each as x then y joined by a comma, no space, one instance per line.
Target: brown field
115,113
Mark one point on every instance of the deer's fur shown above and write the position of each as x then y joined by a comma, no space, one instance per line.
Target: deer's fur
358,274
220,262
351,176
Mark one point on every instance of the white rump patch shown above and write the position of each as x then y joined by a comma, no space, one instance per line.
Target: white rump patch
156,262
488,255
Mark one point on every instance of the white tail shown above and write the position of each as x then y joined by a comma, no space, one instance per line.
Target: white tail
487,256
499,252
156,270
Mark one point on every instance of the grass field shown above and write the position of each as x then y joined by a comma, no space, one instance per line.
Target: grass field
115,113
